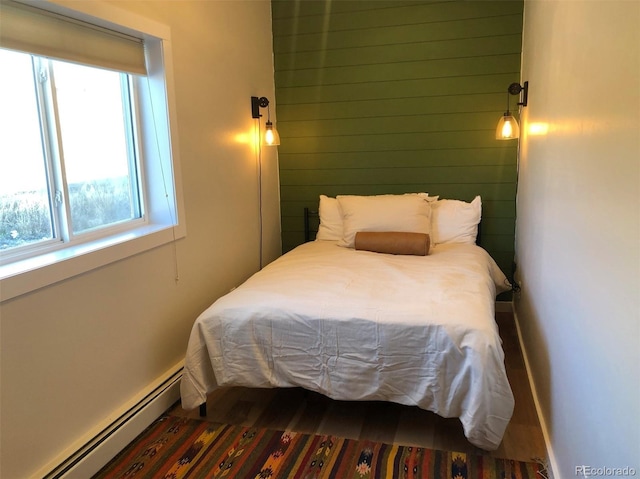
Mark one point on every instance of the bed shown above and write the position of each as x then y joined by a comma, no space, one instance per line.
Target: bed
357,324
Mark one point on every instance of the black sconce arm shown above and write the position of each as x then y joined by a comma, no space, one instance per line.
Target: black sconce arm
516,88
256,104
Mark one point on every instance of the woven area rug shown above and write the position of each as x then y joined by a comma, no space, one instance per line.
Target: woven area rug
175,447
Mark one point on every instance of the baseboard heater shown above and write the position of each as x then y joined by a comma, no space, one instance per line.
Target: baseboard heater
97,452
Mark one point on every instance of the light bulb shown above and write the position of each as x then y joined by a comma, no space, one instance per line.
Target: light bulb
507,128
271,136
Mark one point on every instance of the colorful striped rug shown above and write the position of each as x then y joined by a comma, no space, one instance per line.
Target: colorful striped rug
177,447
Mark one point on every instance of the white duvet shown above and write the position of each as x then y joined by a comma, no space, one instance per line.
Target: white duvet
356,325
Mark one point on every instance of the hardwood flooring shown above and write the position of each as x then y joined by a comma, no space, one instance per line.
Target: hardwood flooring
309,412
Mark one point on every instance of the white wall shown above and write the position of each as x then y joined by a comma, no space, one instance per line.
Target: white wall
578,233
75,352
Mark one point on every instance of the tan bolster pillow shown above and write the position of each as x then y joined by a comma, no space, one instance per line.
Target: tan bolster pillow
393,242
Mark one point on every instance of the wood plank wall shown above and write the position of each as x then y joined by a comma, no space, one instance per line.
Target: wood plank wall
397,96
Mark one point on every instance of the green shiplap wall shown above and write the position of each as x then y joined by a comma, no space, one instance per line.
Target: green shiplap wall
397,96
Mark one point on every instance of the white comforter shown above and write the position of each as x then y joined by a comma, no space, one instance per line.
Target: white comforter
356,325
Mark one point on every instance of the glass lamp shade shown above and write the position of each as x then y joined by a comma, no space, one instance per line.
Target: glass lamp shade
271,136
507,128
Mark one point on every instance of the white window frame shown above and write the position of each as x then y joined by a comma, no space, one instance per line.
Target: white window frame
161,166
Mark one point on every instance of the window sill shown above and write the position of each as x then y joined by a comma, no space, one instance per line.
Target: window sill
28,275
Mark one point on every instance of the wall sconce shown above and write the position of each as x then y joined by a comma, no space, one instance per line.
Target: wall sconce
271,136
508,126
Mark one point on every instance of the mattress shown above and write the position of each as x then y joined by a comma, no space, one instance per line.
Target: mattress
358,325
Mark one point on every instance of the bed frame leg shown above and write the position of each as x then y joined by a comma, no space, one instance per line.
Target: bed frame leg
203,409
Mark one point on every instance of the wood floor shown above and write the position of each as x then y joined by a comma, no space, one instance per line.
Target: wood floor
308,412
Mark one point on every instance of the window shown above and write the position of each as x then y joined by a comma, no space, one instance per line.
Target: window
69,153
88,156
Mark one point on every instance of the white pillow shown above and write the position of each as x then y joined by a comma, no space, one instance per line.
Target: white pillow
455,221
404,213
330,228
430,199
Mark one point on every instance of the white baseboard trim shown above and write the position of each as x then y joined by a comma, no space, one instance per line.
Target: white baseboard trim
100,449
552,466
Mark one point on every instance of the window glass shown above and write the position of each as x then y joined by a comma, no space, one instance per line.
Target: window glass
68,156
97,145
25,211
